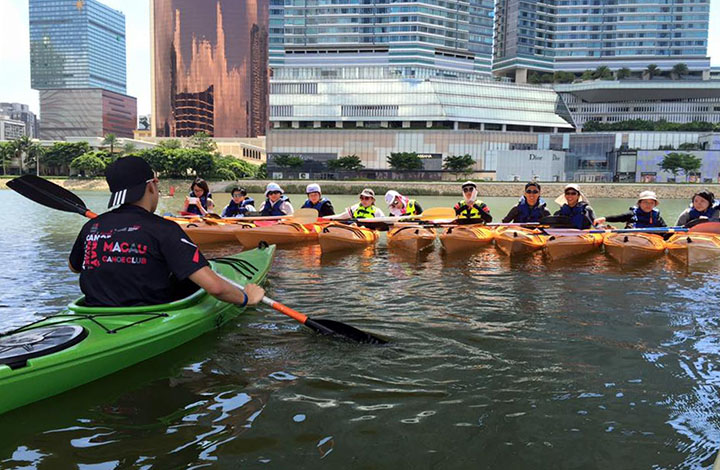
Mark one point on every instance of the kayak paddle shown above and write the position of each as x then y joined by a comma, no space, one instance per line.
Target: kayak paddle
572,232
51,195
322,326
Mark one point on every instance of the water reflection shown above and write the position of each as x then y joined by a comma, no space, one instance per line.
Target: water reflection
512,363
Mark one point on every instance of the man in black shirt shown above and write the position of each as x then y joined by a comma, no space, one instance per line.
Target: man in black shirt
129,256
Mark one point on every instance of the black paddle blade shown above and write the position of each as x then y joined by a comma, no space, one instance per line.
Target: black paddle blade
557,221
47,194
332,327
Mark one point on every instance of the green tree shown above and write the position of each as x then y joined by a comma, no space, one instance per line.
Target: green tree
231,165
144,123
129,147
7,151
111,140
170,144
690,164
603,72
57,159
680,70
202,141
88,164
26,151
652,70
563,77
624,73
405,161
587,75
347,163
688,146
672,163
262,172
458,163
288,161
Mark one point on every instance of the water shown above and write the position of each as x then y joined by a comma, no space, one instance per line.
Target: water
493,364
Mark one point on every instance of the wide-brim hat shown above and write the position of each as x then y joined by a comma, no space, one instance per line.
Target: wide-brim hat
313,188
367,192
271,187
560,200
390,196
127,178
469,183
648,195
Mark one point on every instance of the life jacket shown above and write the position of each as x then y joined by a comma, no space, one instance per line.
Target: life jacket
274,209
192,208
410,208
233,209
642,219
318,207
363,212
577,215
469,212
527,213
696,214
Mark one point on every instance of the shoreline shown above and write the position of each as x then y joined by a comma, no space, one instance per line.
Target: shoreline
486,189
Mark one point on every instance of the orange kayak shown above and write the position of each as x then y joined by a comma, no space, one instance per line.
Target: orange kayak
466,237
282,233
694,248
628,248
567,246
337,237
210,232
517,241
411,238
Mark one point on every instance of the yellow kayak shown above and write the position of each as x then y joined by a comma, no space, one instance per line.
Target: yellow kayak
466,237
206,232
282,233
516,241
567,246
694,248
338,237
628,248
411,238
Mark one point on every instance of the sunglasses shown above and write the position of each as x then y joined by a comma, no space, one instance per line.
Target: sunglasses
240,195
571,193
274,192
395,203
365,198
532,191
468,190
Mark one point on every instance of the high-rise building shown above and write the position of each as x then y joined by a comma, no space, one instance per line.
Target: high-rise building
21,112
412,39
577,35
76,44
210,67
77,61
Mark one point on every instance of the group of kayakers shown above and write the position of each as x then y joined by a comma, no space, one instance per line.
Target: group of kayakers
531,208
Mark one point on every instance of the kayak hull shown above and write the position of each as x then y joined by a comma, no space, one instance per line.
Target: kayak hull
563,247
117,338
281,234
631,248
341,237
694,249
513,241
411,238
210,232
466,237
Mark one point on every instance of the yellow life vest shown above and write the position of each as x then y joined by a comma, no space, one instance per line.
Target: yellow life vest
363,212
469,212
410,208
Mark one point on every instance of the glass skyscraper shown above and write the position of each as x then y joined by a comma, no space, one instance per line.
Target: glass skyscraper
76,44
576,35
412,38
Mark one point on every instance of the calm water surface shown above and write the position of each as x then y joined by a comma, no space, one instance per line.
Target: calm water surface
493,364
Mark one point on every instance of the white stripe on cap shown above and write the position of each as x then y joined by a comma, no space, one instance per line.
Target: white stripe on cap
123,193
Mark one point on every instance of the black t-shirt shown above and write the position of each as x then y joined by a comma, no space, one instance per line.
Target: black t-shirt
129,257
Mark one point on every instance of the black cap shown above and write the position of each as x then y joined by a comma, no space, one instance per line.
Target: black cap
127,178
707,195
532,183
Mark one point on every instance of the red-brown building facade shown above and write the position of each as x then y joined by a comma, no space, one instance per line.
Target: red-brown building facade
210,67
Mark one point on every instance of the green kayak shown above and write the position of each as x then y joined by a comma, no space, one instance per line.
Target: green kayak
82,344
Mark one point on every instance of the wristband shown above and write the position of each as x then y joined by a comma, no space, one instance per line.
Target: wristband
244,301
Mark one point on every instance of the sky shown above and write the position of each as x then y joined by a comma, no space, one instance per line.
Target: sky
15,52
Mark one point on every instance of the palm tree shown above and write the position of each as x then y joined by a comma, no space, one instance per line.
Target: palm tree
680,70
129,147
111,140
21,146
623,73
652,70
603,72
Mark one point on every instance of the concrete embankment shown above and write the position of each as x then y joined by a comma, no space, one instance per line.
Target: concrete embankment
486,189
